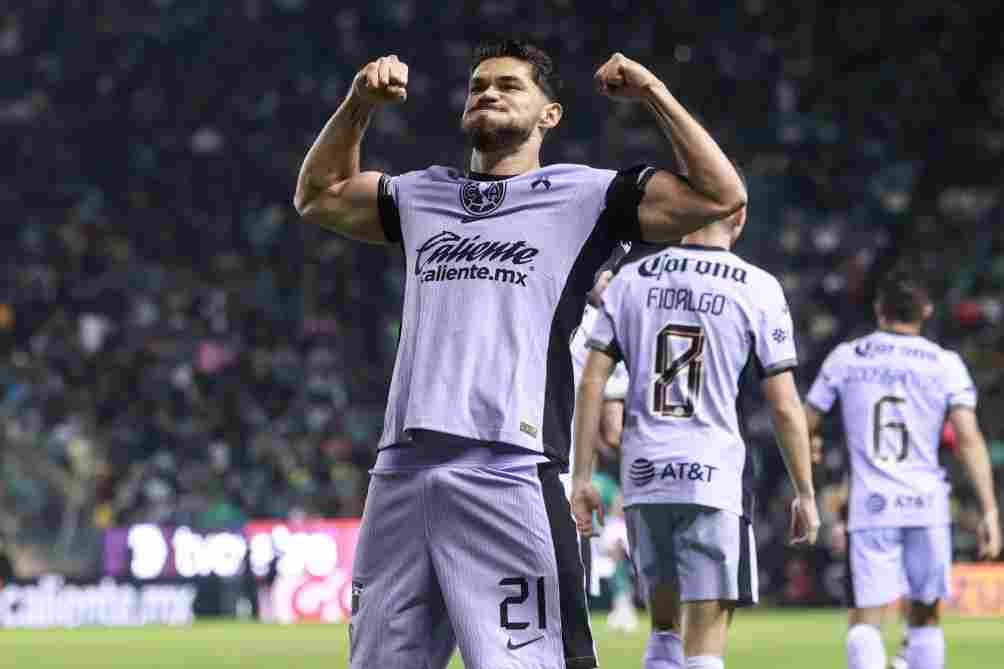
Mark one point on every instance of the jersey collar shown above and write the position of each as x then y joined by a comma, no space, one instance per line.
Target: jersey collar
481,176
702,247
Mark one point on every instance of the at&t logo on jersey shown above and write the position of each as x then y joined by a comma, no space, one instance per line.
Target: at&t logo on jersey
875,503
482,197
449,257
642,471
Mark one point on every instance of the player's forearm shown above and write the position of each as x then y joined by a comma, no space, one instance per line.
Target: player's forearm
334,156
588,409
708,169
793,438
976,460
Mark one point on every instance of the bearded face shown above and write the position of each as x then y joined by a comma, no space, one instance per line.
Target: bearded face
504,105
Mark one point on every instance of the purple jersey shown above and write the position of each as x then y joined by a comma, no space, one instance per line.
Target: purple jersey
688,321
497,273
894,392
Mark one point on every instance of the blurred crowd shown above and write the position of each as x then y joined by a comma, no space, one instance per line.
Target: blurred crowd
177,347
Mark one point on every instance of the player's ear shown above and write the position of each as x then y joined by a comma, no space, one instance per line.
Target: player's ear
928,310
738,224
550,115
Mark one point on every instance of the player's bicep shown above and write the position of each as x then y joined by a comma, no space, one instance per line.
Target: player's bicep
965,424
671,208
351,208
599,366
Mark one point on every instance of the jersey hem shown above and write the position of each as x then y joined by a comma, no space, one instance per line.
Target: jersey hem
736,510
508,437
894,526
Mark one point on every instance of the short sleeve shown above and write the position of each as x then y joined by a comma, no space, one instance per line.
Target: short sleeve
603,334
775,338
826,387
390,215
959,387
617,384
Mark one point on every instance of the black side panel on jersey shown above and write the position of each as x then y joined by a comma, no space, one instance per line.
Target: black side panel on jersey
390,217
619,221
849,574
559,389
623,197
749,473
576,635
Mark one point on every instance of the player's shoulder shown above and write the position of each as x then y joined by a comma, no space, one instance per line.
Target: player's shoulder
847,351
757,277
642,259
946,357
432,173
577,173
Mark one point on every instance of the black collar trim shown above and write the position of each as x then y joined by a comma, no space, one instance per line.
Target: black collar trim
481,176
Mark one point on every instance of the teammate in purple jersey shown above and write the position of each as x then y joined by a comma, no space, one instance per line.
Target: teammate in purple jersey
689,320
896,389
467,537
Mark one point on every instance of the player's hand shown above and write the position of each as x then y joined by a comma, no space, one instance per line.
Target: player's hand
816,449
838,539
804,520
585,500
621,77
989,536
383,81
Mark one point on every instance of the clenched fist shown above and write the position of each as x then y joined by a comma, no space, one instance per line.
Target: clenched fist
383,81
621,77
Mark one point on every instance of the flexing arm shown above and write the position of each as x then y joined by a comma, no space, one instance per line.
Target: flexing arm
674,206
331,191
793,437
972,452
588,409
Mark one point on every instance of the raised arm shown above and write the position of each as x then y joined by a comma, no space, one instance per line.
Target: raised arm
793,436
710,188
972,452
331,191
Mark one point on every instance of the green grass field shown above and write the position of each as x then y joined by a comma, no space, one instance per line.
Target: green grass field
765,639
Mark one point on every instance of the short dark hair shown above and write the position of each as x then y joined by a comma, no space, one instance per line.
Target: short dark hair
902,297
544,72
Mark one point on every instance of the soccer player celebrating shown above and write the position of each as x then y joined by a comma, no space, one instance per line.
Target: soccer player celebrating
895,388
466,537
689,320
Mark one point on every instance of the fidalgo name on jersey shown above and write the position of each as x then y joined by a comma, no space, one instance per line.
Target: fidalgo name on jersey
684,299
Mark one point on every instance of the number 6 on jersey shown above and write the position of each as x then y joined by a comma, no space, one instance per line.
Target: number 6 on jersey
678,349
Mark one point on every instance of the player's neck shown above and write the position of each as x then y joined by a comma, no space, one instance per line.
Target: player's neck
900,328
507,162
708,237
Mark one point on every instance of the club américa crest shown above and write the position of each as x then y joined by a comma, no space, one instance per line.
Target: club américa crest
482,197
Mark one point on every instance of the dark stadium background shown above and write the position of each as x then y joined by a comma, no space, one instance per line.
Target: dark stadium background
177,348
